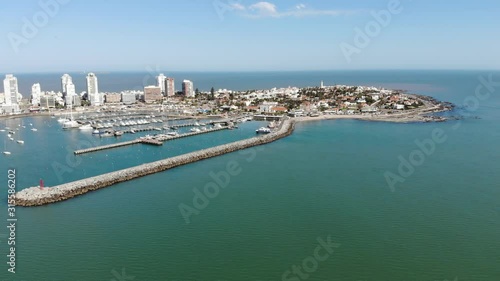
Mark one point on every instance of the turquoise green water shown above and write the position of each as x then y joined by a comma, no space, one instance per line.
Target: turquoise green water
327,179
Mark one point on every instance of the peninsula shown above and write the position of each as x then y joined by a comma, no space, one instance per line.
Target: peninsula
285,105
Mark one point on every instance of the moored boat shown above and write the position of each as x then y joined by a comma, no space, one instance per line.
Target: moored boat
86,127
263,130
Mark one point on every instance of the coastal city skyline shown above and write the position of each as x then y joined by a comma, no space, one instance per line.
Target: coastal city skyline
67,96
258,35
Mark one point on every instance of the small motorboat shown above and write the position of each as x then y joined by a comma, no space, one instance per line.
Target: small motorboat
263,130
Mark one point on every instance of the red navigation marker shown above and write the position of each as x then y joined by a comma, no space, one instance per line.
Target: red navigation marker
41,184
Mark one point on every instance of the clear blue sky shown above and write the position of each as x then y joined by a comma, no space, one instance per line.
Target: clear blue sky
219,35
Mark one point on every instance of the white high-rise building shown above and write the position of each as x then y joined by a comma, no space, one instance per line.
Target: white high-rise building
70,93
188,88
36,93
93,90
65,81
161,82
10,90
169,87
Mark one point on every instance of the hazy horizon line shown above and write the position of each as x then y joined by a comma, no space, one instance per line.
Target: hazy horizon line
244,71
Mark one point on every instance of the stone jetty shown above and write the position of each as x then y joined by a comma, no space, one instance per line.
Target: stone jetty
34,196
156,141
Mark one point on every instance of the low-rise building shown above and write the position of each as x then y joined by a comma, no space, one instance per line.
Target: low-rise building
278,109
152,94
76,100
128,98
113,98
48,101
266,106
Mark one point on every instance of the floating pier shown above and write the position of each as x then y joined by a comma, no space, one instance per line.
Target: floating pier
109,146
153,141
34,196
195,133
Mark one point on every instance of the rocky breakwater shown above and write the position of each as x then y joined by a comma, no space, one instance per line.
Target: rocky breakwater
34,196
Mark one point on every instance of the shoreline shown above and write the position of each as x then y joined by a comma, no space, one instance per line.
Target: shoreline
420,116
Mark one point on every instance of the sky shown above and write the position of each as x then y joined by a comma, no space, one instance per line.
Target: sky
247,35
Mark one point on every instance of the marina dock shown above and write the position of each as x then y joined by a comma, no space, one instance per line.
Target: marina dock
104,147
153,141
34,196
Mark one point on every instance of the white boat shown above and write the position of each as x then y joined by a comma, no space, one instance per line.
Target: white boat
217,126
272,125
196,124
63,120
20,141
11,139
34,129
71,124
107,134
195,130
5,148
172,134
263,130
96,132
86,127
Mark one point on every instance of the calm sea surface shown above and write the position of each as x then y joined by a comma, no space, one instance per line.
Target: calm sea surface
325,180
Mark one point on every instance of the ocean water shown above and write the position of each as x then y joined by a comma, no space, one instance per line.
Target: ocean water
325,181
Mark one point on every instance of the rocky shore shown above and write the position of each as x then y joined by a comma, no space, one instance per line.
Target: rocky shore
34,196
